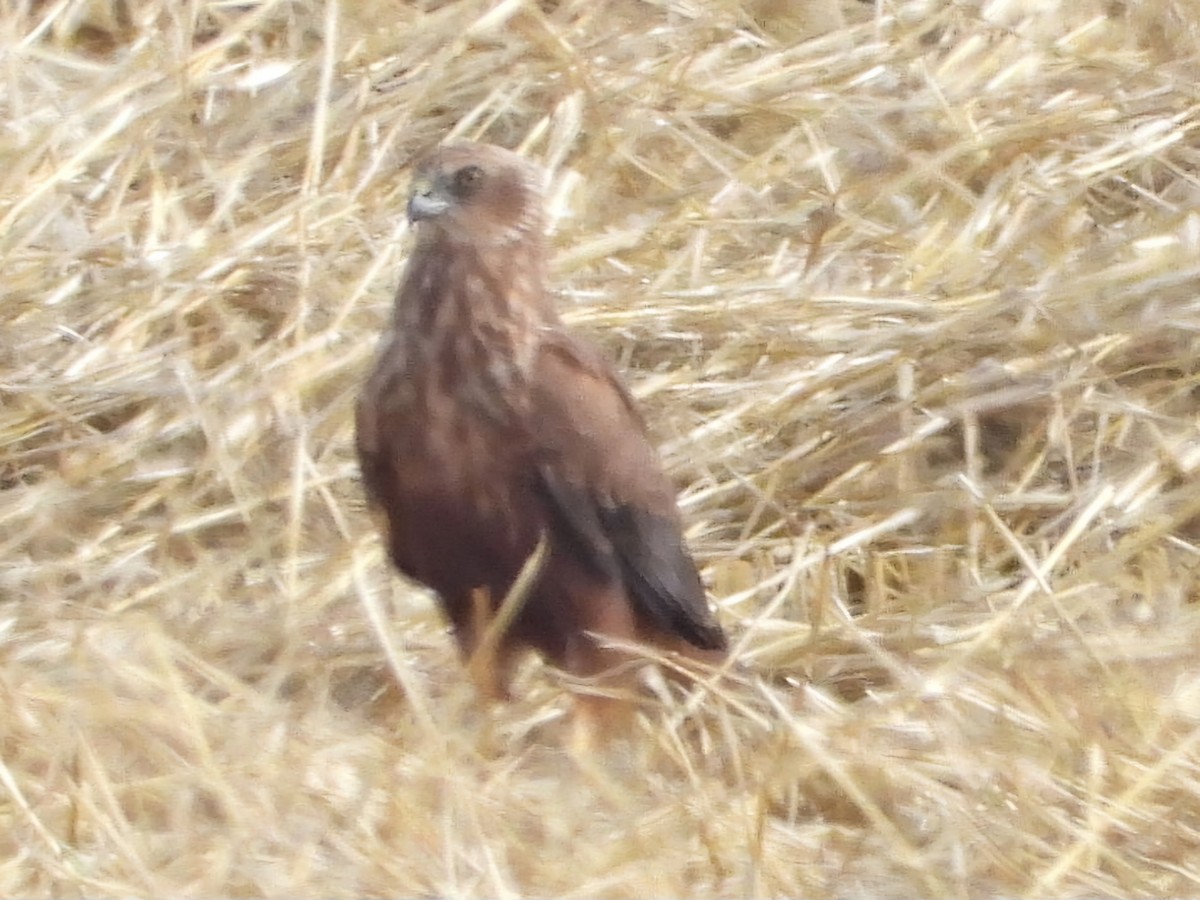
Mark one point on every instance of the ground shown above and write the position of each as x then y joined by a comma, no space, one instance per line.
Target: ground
910,294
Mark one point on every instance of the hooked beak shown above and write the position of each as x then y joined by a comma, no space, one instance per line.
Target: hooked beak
426,201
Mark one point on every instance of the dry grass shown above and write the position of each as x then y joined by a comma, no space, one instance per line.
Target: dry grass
911,293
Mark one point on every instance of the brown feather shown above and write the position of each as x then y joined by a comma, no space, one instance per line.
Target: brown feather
485,426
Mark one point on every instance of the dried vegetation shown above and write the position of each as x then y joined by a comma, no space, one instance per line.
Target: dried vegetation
911,294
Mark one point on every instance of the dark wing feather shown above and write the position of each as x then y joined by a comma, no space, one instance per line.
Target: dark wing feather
606,492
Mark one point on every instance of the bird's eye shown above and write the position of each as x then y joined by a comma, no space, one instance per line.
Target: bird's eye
467,179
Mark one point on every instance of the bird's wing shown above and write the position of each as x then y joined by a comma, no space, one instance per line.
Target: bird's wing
606,493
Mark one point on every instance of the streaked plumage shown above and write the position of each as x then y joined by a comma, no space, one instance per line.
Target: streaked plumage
485,425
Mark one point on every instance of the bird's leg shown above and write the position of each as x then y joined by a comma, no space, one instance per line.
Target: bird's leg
605,697
482,656
488,653
595,716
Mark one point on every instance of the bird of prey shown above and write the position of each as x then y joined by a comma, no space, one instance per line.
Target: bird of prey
489,434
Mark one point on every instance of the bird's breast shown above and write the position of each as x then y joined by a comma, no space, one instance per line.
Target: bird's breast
455,448
460,503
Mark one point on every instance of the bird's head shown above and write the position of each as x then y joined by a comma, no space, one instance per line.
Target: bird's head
477,194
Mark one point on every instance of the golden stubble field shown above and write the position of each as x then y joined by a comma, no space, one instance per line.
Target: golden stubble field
910,293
